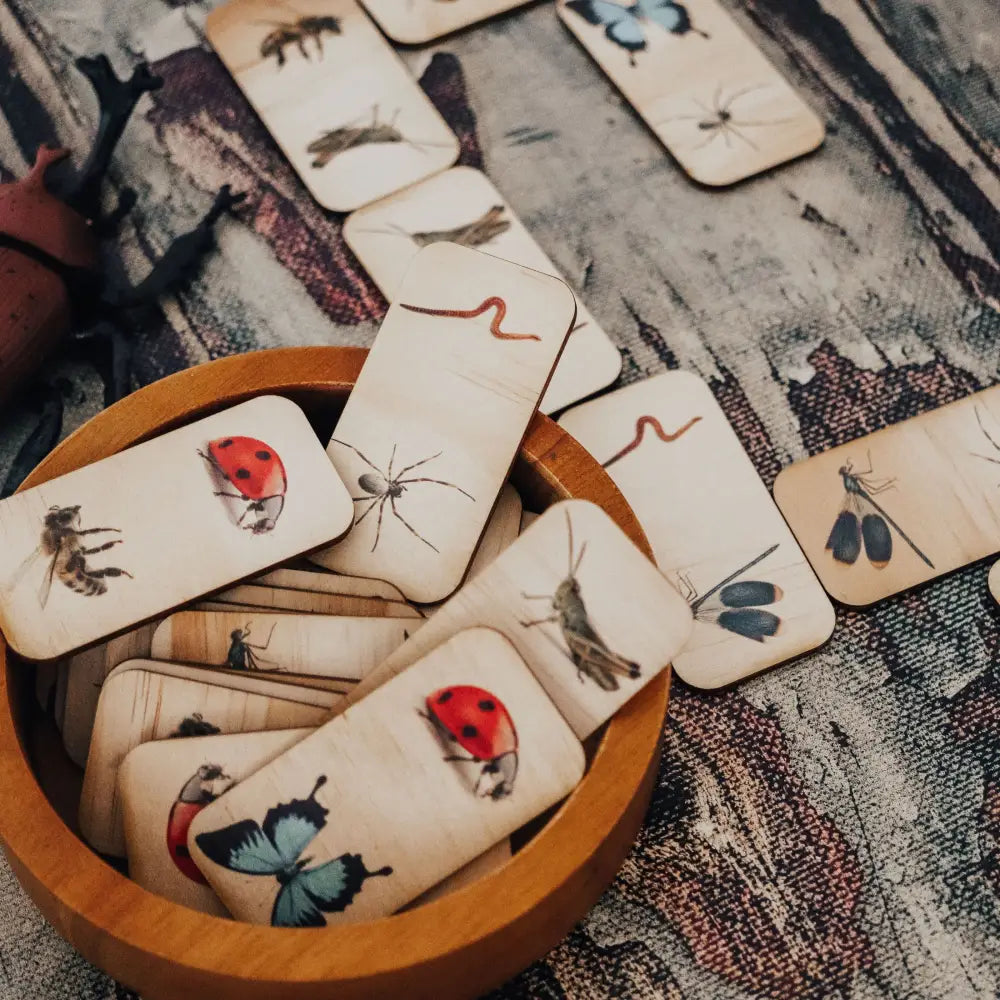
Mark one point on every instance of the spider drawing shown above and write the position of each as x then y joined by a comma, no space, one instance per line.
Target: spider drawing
381,488
719,119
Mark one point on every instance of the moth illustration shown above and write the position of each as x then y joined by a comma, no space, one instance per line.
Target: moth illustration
273,848
296,33
588,651
339,140
388,487
720,120
863,519
477,233
494,302
477,721
735,605
199,790
626,26
255,471
242,655
194,725
62,543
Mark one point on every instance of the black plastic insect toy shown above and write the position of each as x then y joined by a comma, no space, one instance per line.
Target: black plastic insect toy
588,651
388,487
242,655
296,33
863,519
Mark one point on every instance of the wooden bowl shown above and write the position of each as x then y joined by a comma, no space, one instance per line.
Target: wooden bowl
459,946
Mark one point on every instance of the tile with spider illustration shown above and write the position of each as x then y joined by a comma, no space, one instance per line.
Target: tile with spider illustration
713,527
587,611
903,505
113,544
429,433
414,22
462,206
345,111
699,82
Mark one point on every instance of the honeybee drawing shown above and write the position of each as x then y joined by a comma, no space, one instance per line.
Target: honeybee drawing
296,33
477,233
62,542
584,646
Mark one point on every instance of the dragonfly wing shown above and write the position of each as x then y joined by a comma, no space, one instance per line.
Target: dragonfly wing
751,623
749,594
845,538
242,847
878,540
621,26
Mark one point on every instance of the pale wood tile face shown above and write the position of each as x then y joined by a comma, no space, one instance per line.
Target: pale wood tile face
424,20
319,582
378,798
344,109
311,602
712,525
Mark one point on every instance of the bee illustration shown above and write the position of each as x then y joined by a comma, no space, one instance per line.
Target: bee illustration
296,33
588,651
480,231
61,541
339,140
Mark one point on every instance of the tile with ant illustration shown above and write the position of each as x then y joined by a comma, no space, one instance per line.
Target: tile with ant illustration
713,527
903,505
429,433
345,111
117,542
699,82
463,206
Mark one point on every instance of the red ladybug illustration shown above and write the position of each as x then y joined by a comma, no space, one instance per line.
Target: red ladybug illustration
480,724
198,792
255,470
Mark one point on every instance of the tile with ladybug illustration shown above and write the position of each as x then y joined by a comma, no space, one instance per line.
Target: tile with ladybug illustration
144,700
164,784
462,206
591,616
115,543
901,506
85,677
702,85
347,114
421,21
429,433
388,799
711,523
317,581
343,649
313,603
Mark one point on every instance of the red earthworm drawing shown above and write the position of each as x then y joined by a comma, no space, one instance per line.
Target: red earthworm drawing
493,302
640,432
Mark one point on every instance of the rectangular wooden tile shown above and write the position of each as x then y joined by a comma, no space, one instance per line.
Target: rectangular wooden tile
590,614
699,82
309,602
712,525
900,506
144,700
344,648
462,206
163,785
318,581
346,112
110,545
421,21
429,433
411,804
994,581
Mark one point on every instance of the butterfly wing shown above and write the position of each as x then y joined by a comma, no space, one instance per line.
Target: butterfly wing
242,847
291,826
294,907
667,14
327,888
620,24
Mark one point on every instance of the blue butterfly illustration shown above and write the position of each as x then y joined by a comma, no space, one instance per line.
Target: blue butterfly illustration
273,848
624,25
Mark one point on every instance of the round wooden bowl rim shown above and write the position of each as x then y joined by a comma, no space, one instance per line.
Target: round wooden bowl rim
99,910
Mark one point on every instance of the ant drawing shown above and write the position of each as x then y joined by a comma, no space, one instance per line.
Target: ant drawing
387,487
339,140
720,119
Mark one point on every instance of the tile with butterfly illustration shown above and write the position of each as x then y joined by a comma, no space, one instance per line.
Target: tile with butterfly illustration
713,527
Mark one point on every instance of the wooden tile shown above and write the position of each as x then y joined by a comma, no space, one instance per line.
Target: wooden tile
85,677
110,545
323,582
345,648
163,785
59,696
487,863
283,599
900,506
462,206
528,518
428,435
338,101
424,20
713,527
143,700
699,82
407,813
586,610
994,581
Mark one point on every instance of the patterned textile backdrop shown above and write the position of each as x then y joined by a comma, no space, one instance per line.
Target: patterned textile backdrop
831,828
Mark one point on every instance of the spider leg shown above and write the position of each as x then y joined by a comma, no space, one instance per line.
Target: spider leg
362,456
392,458
736,95
739,135
369,510
712,136
423,461
986,433
378,527
440,482
412,530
